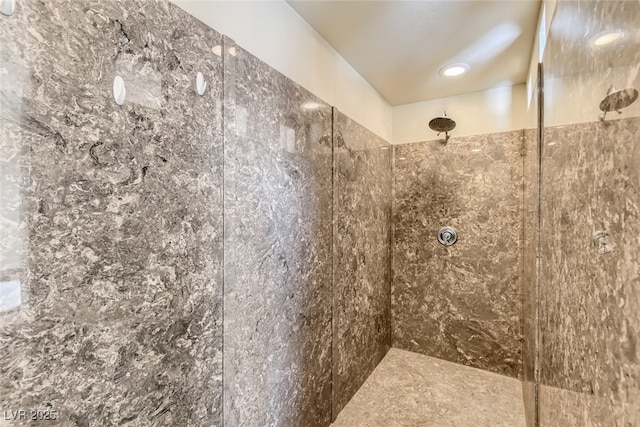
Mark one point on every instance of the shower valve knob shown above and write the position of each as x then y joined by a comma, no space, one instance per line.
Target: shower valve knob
447,236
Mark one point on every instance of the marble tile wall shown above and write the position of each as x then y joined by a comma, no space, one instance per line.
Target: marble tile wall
530,215
460,303
120,207
361,255
590,294
277,244
589,277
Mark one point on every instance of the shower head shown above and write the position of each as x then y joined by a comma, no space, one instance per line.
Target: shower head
616,100
442,124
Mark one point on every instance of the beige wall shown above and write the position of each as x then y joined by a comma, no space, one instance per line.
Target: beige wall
275,33
496,110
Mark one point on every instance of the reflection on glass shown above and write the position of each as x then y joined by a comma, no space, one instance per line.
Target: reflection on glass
15,139
10,295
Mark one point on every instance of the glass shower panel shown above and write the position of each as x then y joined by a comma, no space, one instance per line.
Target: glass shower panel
111,220
590,220
277,245
530,247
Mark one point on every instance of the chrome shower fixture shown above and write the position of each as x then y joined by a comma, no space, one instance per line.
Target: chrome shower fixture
616,100
447,236
442,124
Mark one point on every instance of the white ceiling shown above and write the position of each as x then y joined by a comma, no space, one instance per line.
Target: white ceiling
400,46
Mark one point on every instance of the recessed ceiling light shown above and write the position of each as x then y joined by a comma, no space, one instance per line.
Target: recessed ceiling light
454,70
605,38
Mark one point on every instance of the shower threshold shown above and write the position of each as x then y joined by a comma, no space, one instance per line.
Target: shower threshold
410,389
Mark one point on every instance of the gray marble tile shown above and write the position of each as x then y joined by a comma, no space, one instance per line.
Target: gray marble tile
590,288
409,389
530,214
460,303
277,243
562,407
120,266
361,255
590,305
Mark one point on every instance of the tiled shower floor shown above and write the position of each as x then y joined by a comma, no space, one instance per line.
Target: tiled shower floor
409,389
